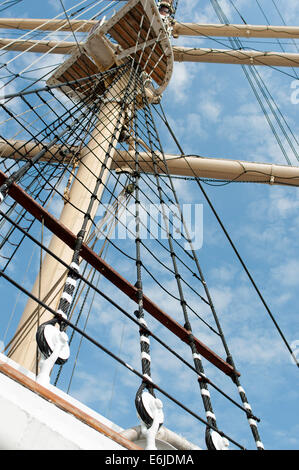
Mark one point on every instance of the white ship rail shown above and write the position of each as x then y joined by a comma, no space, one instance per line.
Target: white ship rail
61,421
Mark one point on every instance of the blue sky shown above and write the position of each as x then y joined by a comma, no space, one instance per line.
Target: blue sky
213,113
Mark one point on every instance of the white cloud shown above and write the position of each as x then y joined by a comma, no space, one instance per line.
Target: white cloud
211,109
223,273
287,273
268,229
180,82
289,10
55,4
284,203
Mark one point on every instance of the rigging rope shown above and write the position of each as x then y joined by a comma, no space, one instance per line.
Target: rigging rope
124,312
211,418
262,87
141,407
107,351
242,394
71,281
73,273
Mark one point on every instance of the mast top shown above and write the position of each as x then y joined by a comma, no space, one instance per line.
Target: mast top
140,31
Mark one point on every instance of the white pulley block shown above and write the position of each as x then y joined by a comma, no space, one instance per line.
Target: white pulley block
58,343
153,406
219,442
54,337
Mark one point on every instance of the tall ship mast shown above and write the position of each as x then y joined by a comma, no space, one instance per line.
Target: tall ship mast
141,310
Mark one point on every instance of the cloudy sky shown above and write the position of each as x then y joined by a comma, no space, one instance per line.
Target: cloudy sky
213,112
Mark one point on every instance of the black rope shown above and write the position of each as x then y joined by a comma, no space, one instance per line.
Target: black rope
72,277
144,336
262,87
61,319
17,175
252,423
112,302
211,418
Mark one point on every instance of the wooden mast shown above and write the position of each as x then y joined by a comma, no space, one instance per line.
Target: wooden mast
52,273
50,283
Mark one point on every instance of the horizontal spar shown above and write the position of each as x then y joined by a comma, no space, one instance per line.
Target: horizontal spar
231,56
215,168
44,24
181,54
86,253
22,150
54,47
235,30
201,167
179,29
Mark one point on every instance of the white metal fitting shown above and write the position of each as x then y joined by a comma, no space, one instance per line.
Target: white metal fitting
58,342
154,408
219,442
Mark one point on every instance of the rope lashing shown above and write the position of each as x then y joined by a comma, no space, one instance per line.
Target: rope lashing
144,411
47,335
69,289
148,408
252,422
206,399
205,394
141,398
71,281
